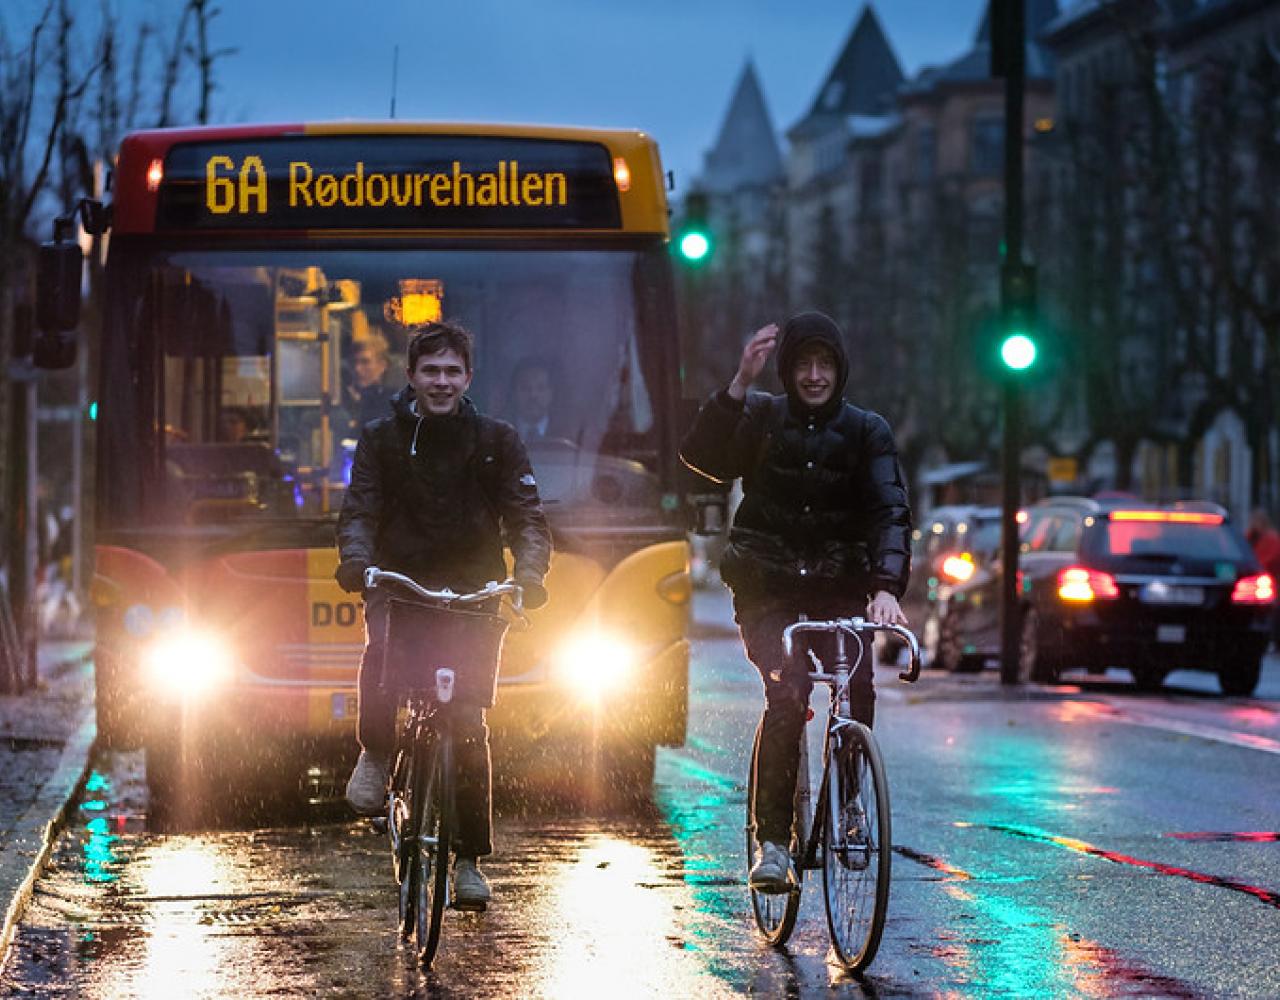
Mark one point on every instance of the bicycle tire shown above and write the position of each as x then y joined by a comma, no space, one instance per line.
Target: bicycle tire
434,810
775,913
855,880
404,842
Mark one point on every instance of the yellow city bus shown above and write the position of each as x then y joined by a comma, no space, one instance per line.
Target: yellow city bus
248,268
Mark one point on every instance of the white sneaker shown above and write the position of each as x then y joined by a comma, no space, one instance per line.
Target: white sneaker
772,870
367,787
470,887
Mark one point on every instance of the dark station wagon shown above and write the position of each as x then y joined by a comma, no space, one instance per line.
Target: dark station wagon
1122,583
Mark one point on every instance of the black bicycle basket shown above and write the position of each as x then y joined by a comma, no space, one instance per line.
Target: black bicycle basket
423,637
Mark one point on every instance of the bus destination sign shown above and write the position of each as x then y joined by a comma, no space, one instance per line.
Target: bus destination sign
370,182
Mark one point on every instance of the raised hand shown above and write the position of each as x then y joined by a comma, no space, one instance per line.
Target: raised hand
754,356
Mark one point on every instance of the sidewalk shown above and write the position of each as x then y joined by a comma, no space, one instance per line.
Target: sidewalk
46,736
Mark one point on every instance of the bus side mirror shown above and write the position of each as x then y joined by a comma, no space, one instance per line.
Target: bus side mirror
59,270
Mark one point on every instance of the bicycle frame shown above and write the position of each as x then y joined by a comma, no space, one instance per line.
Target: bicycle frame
839,717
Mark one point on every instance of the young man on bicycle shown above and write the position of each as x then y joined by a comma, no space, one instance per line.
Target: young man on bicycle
436,488
823,528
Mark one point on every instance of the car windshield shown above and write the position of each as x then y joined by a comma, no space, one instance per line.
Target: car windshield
984,537
1171,540
269,363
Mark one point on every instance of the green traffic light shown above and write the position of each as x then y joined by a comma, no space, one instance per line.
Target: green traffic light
694,245
1018,352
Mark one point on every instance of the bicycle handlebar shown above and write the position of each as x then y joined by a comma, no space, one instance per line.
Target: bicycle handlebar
853,626
373,577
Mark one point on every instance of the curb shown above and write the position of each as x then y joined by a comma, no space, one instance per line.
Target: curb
34,834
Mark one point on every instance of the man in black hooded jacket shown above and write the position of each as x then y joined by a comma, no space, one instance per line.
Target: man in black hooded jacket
823,530
435,489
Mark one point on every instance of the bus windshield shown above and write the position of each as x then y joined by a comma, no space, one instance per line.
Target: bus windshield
245,377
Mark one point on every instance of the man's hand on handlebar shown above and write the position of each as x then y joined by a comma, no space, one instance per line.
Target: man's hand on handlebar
535,594
883,609
350,575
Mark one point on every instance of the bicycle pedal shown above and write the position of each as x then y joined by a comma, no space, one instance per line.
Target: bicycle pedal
378,824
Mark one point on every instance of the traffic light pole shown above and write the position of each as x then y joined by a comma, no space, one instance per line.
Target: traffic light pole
1009,35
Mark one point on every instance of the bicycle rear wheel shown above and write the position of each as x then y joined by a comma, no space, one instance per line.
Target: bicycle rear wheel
857,848
775,913
434,798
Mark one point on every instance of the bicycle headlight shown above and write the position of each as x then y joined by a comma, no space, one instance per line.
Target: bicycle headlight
189,662
596,663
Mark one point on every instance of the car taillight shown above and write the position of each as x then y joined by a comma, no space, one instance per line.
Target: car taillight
1256,589
1075,583
959,568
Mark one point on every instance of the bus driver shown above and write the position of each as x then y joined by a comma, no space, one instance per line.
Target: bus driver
435,488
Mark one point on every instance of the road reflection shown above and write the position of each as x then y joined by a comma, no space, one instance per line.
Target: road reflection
610,926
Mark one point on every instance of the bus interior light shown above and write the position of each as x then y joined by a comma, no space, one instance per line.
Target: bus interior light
155,175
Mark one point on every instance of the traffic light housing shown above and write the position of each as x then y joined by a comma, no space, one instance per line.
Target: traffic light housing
1019,328
693,239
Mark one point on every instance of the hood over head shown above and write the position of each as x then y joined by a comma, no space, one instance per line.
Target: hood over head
799,329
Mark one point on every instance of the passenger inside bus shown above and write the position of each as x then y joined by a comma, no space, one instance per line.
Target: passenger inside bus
372,381
535,404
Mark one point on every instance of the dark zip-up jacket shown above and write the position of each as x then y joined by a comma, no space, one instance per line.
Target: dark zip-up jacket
434,497
824,509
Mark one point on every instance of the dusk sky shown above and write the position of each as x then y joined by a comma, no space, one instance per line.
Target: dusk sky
666,66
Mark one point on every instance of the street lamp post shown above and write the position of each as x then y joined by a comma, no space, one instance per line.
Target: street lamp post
1009,59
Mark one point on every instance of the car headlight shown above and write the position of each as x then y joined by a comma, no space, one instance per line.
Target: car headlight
596,664
188,662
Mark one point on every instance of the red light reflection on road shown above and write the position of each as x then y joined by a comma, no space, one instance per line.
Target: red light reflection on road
1267,896
1243,837
1253,715
1098,970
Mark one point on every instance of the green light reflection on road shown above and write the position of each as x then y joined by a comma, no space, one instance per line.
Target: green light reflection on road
99,855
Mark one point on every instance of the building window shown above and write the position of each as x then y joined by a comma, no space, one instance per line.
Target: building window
926,153
833,95
986,148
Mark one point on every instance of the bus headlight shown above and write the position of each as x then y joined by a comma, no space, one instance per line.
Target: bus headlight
188,662
597,664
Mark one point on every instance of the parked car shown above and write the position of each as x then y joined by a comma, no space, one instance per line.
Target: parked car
1118,582
946,549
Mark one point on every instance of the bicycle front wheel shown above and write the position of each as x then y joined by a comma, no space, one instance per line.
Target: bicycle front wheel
857,848
433,803
404,840
775,913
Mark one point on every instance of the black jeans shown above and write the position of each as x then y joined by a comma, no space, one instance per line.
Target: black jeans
786,695
375,730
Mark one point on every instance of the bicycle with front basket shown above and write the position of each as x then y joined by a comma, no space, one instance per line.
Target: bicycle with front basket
464,647
847,831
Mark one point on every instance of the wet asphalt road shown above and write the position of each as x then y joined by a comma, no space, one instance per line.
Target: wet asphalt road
1080,841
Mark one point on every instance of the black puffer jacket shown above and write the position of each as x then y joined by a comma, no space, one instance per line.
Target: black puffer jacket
432,497
824,508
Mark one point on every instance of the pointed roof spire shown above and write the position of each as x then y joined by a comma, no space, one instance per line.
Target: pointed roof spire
746,152
864,77
975,64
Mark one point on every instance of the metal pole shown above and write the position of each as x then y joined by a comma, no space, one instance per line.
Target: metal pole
1015,67
23,513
